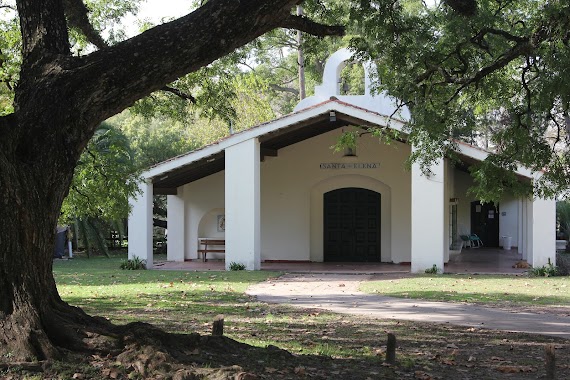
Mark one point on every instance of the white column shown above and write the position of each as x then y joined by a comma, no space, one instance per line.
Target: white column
242,200
527,229
447,194
543,232
428,218
140,224
529,235
176,238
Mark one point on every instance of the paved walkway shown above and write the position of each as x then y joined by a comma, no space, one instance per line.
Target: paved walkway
339,293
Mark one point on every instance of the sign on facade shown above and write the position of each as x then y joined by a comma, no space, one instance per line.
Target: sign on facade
350,165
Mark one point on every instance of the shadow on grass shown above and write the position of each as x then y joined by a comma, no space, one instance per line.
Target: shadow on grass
337,346
325,345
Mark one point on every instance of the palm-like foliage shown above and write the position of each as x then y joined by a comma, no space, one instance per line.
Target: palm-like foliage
98,199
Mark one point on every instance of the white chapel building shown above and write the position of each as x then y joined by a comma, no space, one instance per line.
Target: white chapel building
278,192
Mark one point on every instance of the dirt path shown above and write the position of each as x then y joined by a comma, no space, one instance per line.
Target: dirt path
339,293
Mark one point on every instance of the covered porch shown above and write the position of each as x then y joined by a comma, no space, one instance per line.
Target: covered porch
469,261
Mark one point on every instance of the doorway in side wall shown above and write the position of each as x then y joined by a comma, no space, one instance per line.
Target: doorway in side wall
485,222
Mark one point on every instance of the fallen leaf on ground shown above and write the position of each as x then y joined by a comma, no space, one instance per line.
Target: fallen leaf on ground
300,371
422,375
515,369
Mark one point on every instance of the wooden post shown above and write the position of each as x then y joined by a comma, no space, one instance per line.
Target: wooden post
391,349
550,361
218,327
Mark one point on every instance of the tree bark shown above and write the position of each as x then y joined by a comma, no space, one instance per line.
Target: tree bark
59,102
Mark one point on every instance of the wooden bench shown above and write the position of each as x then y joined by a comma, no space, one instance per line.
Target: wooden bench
216,243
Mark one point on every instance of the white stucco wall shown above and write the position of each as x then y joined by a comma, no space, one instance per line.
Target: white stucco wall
462,182
292,188
176,219
203,199
242,204
428,217
208,226
292,185
543,232
449,187
509,219
140,225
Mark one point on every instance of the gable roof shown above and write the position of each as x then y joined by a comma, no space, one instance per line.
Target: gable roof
274,135
279,133
313,116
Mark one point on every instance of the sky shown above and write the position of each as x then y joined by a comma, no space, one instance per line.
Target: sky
156,10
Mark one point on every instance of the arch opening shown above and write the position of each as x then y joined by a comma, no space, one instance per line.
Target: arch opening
351,225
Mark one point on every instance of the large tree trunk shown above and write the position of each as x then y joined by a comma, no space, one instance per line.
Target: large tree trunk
59,101
34,179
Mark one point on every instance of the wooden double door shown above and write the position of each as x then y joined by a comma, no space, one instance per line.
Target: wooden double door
352,225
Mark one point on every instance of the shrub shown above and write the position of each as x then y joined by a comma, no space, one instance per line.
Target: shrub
433,270
548,270
237,266
135,263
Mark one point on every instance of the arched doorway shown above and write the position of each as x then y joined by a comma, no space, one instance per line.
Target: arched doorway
351,225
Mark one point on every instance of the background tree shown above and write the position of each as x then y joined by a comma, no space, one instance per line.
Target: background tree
59,101
458,64
105,177
164,125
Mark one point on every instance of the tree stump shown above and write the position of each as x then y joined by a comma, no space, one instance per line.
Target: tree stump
218,326
550,361
391,349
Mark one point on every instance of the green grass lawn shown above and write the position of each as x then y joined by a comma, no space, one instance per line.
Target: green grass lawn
171,298
179,301
183,302
481,289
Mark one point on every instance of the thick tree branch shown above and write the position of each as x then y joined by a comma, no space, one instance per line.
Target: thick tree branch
43,29
179,93
115,77
76,13
276,87
500,32
554,25
306,25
